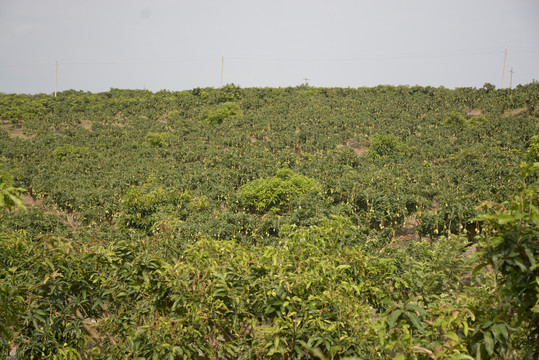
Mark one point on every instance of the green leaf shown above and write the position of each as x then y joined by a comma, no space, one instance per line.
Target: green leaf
460,357
531,258
416,308
486,325
489,343
414,320
452,336
394,318
478,268
500,329
520,265
506,218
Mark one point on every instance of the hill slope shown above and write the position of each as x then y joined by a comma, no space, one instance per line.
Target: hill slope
288,223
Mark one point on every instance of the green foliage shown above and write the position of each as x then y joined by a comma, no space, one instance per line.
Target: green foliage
386,146
222,112
454,119
10,196
489,87
491,339
218,258
407,330
256,302
11,304
158,139
510,246
6,177
477,120
68,151
533,150
52,290
143,206
275,193
19,108
452,217
424,316
230,92
35,221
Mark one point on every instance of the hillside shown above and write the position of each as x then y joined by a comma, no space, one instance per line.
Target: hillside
270,223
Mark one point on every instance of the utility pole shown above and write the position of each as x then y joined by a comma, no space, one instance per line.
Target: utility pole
306,81
504,62
56,82
511,83
222,68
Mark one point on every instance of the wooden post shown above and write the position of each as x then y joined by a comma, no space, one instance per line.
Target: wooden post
222,68
504,62
511,82
56,81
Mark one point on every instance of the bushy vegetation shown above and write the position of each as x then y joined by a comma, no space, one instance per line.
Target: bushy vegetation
277,192
511,247
385,146
158,139
221,112
143,206
10,196
292,223
68,150
533,150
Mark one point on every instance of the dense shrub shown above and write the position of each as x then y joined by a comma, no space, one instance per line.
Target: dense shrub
19,108
454,119
143,206
510,245
10,196
222,112
158,139
386,146
70,151
275,193
533,150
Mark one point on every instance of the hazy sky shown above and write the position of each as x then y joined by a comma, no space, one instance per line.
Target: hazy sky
178,45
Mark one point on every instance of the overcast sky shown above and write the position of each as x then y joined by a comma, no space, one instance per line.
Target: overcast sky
178,45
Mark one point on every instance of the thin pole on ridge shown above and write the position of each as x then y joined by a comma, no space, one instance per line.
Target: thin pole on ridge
511,81
222,68
504,62
56,81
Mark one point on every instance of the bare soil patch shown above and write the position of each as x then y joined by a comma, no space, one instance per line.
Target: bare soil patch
352,144
406,233
163,119
119,116
14,131
70,219
514,112
86,124
474,112
30,202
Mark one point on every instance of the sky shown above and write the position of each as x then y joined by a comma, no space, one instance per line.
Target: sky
181,45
